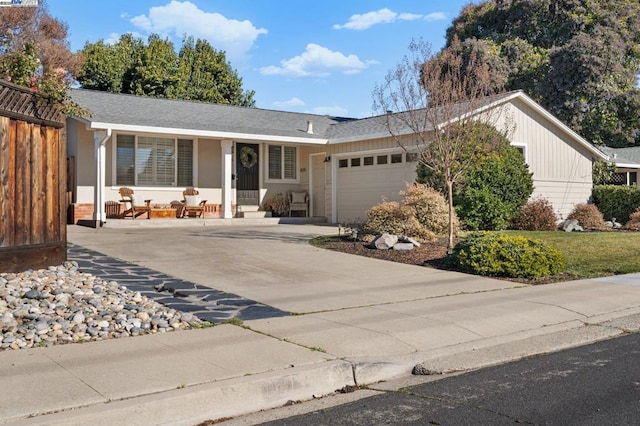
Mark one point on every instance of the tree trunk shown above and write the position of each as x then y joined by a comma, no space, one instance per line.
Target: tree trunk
450,199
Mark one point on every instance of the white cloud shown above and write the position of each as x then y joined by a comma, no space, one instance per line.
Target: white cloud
436,16
177,18
293,102
317,61
369,19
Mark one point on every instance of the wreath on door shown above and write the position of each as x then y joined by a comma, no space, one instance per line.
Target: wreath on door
248,157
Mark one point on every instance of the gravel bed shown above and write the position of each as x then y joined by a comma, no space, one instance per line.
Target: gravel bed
62,305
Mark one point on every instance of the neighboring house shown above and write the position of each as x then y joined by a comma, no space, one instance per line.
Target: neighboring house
239,157
627,161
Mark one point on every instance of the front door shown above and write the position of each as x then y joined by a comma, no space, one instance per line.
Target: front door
318,178
247,174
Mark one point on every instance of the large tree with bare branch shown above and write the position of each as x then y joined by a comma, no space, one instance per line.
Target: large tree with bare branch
435,102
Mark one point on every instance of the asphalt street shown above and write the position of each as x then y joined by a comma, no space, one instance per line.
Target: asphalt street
598,384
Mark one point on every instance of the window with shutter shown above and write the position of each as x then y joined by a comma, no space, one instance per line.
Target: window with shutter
282,163
153,161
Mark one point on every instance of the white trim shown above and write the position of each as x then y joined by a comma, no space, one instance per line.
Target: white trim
203,133
525,149
626,165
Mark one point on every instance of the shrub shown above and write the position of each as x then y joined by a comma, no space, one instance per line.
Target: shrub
493,190
633,224
395,218
430,208
536,215
588,216
502,255
616,201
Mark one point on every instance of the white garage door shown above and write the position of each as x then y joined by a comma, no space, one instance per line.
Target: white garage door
366,180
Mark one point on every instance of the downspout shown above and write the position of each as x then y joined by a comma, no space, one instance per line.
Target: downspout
99,214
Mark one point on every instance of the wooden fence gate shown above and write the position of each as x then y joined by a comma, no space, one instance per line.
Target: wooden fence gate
33,205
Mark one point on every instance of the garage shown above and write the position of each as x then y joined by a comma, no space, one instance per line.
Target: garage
364,180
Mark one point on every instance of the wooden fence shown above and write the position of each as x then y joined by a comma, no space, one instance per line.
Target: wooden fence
33,203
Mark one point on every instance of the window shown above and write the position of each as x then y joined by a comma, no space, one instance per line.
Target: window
283,162
368,161
153,161
383,159
396,158
411,157
343,162
355,162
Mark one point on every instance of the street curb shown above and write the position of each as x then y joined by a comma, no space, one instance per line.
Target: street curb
210,401
249,394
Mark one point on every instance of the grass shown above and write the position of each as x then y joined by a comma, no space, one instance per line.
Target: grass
593,254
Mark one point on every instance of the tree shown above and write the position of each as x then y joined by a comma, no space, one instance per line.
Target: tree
107,67
580,59
436,99
34,52
492,190
205,75
155,72
198,72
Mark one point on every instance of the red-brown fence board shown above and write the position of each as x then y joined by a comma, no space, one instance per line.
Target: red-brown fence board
32,181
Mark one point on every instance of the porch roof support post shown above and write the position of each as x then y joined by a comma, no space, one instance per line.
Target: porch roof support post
99,139
227,194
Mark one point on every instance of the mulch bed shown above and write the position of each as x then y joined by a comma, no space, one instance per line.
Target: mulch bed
430,254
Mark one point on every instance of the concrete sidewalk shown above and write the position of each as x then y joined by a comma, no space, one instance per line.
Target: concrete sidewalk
360,321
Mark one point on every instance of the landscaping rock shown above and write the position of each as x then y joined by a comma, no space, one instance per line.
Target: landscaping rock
405,239
63,305
385,241
403,246
570,225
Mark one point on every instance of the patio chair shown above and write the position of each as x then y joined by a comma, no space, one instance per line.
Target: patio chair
193,205
299,201
132,206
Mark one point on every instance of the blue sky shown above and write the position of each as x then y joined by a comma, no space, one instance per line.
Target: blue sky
317,57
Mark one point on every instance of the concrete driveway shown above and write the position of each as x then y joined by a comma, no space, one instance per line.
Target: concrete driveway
276,265
364,321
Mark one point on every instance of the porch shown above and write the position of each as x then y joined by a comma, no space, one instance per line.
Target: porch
206,222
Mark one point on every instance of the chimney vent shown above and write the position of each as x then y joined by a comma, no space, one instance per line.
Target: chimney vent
310,127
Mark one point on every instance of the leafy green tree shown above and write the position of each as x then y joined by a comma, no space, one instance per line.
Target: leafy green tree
603,172
494,189
155,73
205,75
578,58
107,67
198,72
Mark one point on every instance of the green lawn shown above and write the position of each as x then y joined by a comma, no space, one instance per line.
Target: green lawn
594,254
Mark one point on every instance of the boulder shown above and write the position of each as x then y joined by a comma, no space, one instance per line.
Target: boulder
570,225
403,246
405,239
385,241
